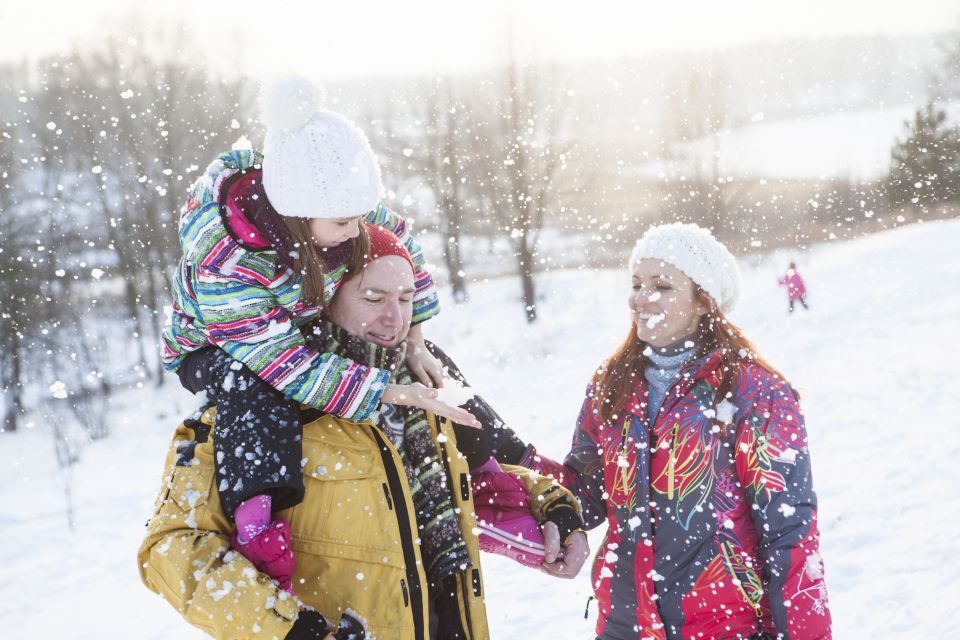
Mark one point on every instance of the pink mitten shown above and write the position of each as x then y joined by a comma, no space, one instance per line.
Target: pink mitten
270,552
252,517
506,525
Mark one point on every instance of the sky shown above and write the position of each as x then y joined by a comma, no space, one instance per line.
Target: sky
348,39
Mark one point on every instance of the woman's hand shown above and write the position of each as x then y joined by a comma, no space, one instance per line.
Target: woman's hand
417,395
420,361
575,552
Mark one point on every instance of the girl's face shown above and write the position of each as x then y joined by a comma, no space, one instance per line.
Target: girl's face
664,303
330,232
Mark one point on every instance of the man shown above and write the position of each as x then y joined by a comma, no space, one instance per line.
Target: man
383,539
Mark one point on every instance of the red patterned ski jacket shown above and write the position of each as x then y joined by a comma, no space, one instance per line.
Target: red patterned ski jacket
711,511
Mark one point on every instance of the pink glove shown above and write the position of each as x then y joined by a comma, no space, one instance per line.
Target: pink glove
270,552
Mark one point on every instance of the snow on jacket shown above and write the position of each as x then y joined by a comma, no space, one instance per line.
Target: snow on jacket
354,538
711,511
231,294
796,289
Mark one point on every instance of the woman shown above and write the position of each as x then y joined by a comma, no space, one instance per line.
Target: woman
693,449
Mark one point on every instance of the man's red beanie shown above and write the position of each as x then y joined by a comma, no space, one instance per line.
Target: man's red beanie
383,243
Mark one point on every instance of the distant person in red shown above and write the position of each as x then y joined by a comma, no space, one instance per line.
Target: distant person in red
796,289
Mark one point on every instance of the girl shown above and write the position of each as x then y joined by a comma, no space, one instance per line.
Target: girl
266,242
796,288
693,449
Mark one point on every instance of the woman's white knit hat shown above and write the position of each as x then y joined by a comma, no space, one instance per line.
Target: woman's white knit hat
695,251
316,164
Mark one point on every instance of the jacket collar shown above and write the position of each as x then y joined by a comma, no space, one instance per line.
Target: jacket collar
251,220
692,373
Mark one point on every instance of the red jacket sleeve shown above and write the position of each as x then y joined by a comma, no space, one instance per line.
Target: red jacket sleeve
773,465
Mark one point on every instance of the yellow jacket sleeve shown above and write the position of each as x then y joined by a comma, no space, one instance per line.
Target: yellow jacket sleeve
186,558
545,493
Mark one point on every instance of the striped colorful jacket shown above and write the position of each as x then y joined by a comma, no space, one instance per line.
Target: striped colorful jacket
712,518
232,295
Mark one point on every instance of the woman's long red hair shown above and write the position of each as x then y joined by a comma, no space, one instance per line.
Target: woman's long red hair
617,378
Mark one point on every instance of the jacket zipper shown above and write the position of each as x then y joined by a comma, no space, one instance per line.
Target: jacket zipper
406,536
386,494
672,462
651,450
466,605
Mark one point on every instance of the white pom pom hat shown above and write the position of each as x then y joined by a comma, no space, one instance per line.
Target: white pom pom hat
316,163
695,251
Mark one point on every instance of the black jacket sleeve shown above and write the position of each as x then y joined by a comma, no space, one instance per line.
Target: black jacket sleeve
495,439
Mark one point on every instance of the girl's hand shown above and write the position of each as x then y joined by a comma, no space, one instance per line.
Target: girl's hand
421,362
417,395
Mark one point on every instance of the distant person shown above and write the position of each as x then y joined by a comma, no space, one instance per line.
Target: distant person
692,449
796,289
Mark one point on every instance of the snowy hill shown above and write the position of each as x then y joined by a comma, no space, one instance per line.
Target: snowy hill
851,145
872,359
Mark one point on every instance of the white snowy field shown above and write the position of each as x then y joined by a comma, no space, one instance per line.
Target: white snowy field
874,358
851,145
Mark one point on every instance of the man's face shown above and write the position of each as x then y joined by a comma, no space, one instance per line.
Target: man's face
377,304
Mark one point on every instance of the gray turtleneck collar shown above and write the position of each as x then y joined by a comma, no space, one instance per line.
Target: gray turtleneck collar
664,369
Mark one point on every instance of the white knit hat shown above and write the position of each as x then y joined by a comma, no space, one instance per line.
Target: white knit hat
695,251
316,164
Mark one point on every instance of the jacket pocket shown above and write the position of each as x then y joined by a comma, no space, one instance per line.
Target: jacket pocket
331,462
190,486
345,501
183,498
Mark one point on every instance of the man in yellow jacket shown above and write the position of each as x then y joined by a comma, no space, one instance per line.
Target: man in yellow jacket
368,552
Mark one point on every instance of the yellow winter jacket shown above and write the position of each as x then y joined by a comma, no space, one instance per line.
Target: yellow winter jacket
353,537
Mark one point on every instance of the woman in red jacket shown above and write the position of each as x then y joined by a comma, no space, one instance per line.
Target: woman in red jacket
693,449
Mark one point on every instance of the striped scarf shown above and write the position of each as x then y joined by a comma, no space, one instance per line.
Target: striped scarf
441,541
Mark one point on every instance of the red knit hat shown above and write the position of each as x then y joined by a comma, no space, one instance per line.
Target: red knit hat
383,243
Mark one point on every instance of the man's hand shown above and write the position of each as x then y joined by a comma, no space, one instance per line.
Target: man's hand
417,395
566,565
421,362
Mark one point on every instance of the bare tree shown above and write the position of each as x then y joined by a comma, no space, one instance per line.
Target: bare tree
21,252
145,127
447,158
529,146
437,153
700,191
429,136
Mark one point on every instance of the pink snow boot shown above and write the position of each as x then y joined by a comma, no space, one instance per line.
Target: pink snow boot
506,525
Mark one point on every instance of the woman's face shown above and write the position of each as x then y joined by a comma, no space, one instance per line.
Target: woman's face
664,303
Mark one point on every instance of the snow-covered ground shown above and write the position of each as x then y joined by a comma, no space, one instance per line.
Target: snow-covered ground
874,358
848,145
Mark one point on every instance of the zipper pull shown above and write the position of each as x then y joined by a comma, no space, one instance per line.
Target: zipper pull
586,610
